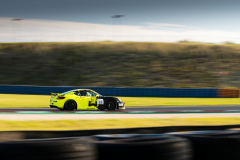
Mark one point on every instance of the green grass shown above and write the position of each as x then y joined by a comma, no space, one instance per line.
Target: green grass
111,123
120,64
36,101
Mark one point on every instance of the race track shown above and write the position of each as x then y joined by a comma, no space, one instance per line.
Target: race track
22,114
147,109
28,117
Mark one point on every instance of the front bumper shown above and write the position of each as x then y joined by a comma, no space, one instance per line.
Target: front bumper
121,105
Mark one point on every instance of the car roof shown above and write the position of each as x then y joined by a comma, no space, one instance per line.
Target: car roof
83,89
74,90
80,90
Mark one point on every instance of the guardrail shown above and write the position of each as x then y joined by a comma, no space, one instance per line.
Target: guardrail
127,91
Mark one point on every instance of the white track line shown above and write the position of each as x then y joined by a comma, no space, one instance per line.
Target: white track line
27,117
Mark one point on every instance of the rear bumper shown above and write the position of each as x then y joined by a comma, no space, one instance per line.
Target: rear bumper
52,106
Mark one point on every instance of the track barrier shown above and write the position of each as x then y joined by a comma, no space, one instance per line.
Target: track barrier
142,148
82,148
9,135
166,143
229,93
127,91
115,91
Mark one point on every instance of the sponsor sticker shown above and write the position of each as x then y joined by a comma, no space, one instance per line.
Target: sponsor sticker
100,101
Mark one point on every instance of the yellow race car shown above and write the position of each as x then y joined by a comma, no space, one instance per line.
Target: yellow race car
85,99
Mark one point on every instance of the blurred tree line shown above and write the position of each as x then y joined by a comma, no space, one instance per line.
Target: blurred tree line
120,64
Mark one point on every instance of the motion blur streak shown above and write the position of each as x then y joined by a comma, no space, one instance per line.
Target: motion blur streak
34,30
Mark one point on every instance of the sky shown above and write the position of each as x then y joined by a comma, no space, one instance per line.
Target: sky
213,21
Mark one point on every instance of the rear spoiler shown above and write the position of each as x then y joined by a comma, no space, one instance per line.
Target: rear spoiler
56,94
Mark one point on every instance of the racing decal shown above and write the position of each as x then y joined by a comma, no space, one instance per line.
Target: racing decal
100,101
92,104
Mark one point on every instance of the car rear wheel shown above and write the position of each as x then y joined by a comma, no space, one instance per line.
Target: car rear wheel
70,105
111,105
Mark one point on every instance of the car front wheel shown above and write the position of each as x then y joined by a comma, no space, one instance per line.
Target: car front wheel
111,105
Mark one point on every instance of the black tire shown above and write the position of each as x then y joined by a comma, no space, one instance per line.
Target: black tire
225,146
111,105
151,148
54,149
70,105
105,137
225,133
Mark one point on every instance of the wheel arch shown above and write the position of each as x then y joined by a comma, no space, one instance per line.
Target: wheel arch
70,100
111,100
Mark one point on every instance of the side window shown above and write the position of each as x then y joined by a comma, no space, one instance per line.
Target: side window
86,93
83,93
92,94
76,93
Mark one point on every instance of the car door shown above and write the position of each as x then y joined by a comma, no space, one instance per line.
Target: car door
92,100
84,99
81,100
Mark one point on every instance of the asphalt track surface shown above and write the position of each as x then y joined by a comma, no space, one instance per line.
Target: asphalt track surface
147,109
29,114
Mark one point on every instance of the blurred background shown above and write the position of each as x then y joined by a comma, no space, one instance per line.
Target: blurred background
156,56
173,63
174,44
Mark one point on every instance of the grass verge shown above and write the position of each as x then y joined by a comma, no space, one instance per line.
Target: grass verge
42,101
111,123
